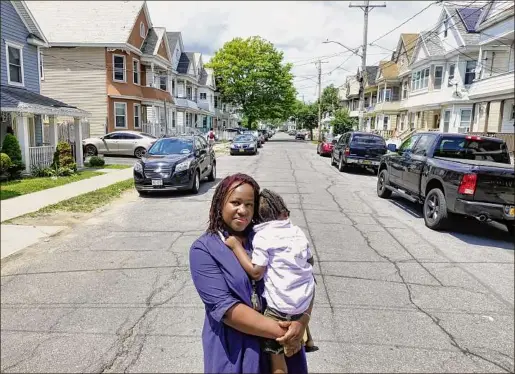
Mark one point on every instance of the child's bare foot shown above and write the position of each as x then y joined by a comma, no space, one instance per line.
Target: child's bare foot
278,364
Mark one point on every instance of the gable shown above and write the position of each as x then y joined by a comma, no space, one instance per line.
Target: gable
162,50
135,39
420,51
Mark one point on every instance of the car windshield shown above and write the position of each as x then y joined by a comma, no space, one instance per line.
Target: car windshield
243,138
479,149
368,139
171,146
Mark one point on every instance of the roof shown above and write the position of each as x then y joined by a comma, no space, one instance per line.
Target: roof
153,40
468,13
207,77
92,22
184,63
410,42
389,69
18,99
469,17
173,38
371,75
432,42
28,19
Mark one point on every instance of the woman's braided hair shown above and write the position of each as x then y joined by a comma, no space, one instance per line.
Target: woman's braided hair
271,206
222,191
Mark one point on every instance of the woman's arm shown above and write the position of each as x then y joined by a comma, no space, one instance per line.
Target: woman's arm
296,328
247,320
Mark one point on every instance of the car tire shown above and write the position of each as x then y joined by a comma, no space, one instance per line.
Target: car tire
342,165
212,175
90,150
195,186
510,226
382,182
376,170
436,216
332,160
139,152
143,193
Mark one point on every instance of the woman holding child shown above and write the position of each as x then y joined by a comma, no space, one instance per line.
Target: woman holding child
243,331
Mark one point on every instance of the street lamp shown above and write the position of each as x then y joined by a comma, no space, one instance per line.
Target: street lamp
355,51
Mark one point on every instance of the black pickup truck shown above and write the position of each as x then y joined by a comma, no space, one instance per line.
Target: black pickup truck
451,174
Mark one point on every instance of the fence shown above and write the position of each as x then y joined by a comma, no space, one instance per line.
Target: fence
41,156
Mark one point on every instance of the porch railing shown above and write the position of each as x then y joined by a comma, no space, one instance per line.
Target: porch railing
41,156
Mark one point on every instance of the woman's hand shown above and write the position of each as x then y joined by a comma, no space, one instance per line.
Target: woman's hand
292,340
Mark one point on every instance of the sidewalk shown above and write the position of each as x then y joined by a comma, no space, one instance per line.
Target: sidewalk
18,206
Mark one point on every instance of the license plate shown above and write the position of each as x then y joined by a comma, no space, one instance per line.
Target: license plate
157,182
242,150
511,211
366,162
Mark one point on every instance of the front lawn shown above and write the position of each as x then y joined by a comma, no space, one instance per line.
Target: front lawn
108,166
25,186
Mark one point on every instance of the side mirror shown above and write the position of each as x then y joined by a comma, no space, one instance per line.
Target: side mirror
392,147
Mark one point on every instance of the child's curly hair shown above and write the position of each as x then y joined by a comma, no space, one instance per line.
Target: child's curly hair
271,206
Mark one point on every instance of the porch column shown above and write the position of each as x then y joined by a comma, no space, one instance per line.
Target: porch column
77,129
152,80
22,133
176,87
52,131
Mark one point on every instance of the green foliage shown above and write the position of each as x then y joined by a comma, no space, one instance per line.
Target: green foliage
330,99
342,122
250,74
5,163
63,159
96,161
11,147
306,116
42,171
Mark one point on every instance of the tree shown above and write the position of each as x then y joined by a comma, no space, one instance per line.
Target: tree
330,99
250,75
306,115
11,147
342,122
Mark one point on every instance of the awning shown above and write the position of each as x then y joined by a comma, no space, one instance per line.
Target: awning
21,100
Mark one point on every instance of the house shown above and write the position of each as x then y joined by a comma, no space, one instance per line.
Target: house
23,106
107,58
387,105
349,95
493,89
370,87
442,71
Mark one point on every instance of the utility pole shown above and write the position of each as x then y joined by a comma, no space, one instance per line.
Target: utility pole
320,99
366,9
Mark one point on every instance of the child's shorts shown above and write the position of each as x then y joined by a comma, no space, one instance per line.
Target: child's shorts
271,345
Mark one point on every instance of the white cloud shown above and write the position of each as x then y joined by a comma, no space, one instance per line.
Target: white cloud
296,28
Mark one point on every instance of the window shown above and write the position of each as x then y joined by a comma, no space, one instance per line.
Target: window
465,120
405,90
135,72
469,149
408,144
380,96
173,119
423,145
388,95
137,116
163,82
470,71
118,68
162,117
120,115
41,71
420,79
452,67
512,113
188,93
446,120
385,122
142,30
15,62
438,77
203,96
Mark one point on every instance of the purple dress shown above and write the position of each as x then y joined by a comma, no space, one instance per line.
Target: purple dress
221,283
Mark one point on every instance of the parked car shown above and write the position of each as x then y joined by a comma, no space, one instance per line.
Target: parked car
244,144
451,174
300,136
260,138
127,143
358,149
265,134
325,148
175,163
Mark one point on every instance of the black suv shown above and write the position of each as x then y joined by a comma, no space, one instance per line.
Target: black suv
358,149
175,163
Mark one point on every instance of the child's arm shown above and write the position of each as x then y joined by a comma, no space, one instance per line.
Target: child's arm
256,272
311,261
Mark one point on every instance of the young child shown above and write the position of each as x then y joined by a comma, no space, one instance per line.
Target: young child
282,257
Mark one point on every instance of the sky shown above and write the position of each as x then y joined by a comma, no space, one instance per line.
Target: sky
298,29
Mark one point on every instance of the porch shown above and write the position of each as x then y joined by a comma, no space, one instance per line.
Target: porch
32,118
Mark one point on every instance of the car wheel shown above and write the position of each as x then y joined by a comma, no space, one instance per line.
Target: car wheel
91,150
382,182
196,183
139,152
435,210
212,176
332,160
342,165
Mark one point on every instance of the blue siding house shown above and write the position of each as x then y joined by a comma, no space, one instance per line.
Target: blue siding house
22,106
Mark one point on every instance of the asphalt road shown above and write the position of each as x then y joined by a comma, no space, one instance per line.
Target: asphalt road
114,294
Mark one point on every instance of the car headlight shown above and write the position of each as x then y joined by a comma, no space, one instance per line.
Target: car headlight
138,167
183,166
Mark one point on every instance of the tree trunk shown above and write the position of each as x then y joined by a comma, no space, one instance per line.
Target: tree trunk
311,134
249,122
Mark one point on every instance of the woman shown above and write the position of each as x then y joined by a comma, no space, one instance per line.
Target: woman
232,327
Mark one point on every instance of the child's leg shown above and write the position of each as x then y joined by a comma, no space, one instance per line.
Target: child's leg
308,339
278,363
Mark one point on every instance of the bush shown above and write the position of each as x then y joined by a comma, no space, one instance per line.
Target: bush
63,157
96,161
5,163
39,172
11,147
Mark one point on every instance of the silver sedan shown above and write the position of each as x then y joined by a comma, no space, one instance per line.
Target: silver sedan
128,143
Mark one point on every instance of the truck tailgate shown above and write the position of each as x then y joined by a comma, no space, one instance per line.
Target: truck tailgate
495,185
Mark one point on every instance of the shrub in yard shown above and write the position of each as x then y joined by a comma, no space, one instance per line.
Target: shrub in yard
11,147
5,163
41,172
96,161
63,157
